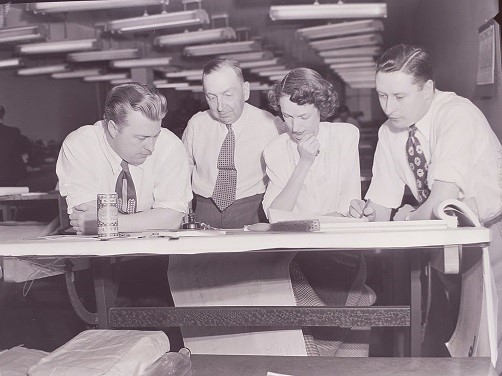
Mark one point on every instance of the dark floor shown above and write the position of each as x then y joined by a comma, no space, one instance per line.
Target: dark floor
44,319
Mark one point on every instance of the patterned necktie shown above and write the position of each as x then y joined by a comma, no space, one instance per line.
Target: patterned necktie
418,164
226,182
125,190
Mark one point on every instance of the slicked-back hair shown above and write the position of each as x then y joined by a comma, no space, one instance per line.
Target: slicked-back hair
411,60
218,63
134,96
305,86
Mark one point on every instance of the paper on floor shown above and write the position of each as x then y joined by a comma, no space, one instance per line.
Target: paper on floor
104,353
250,279
16,361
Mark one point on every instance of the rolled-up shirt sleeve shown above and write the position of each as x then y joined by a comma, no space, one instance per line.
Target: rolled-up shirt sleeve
74,169
386,188
351,174
187,140
453,154
277,178
172,183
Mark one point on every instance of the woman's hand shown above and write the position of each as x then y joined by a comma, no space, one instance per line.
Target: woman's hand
308,148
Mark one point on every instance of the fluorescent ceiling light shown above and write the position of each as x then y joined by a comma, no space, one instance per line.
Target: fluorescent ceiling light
147,62
360,51
259,63
59,46
247,56
369,64
366,85
192,37
9,63
340,29
274,72
276,77
221,48
77,6
47,69
184,73
194,88
128,53
77,73
358,78
22,34
352,59
170,85
194,78
121,81
268,68
328,11
158,21
359,40
106,77
257,86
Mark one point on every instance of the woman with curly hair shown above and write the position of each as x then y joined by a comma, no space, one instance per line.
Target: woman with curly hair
314,168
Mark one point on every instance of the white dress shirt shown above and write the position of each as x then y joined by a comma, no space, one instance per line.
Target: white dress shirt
204,136
460,148
333,179
87,165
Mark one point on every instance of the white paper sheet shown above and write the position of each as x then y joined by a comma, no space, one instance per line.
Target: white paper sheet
16,361
259,279
13,190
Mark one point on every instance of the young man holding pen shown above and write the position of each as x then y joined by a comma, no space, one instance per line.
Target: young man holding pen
438,144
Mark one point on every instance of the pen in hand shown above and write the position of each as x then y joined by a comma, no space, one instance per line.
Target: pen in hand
364,208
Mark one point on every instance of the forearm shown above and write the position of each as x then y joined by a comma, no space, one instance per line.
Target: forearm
150,220
382,213
286,200
440,191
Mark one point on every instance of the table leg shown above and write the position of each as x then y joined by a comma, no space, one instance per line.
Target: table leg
415,305
105,289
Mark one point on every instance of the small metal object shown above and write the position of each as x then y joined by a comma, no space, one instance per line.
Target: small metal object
108,224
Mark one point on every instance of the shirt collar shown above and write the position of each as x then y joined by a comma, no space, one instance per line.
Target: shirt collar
424,124
113,158
240,122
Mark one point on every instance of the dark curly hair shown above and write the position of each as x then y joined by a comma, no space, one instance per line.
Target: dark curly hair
305,86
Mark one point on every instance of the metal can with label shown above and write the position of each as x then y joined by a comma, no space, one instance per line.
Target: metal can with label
108,223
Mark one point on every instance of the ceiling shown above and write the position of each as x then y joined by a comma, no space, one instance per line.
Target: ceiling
275,36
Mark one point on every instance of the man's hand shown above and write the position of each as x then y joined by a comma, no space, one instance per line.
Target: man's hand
359,209
308,148
84,218
403,212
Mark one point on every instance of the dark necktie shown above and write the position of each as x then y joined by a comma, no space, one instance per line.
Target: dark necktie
125,190
418,164
226,181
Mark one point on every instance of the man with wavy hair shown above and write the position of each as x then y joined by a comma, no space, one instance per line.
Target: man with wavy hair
129,140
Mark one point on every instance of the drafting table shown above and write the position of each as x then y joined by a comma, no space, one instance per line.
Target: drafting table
246,365
364,236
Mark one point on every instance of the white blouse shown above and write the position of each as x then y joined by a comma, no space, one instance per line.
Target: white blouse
333,179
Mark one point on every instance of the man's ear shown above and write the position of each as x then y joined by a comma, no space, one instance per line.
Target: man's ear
112,127
246,90
429,89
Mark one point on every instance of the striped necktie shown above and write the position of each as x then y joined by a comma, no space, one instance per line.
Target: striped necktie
126,191
418,164
226,181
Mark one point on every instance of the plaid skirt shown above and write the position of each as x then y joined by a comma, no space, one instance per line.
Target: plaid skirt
334,279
